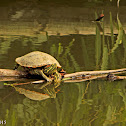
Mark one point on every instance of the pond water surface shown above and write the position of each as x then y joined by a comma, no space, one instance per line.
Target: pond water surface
67,33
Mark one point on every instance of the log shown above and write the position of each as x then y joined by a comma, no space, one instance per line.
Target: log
117,71
17,73
73,81
14,75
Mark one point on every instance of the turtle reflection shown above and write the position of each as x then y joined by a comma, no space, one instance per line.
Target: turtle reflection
43,91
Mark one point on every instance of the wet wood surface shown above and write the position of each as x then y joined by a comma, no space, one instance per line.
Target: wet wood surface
15,75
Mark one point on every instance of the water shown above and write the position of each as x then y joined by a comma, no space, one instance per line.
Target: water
66,32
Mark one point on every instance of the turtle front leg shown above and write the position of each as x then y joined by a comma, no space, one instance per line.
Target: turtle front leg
57,77
41,73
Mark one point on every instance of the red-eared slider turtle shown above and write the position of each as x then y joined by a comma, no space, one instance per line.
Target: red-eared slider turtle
40,63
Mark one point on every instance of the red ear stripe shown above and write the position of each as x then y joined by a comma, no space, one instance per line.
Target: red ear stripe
48,65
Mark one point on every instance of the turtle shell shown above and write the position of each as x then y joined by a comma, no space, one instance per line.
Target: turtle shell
36,59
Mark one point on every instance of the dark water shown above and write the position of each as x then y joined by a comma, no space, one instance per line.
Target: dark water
79,45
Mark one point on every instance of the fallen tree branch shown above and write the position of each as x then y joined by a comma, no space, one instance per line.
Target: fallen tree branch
121,77
73,81
117,71
14,75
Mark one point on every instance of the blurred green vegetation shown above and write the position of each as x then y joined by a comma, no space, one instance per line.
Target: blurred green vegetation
63,2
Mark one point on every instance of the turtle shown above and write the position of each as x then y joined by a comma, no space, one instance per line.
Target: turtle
40,63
